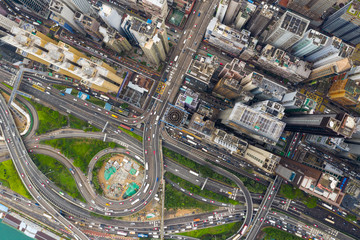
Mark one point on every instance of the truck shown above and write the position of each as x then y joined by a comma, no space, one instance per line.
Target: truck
327,206
196,219
37,204
126,127
71,170
122,233
62,94
176,58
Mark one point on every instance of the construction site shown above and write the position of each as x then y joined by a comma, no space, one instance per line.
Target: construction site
121,177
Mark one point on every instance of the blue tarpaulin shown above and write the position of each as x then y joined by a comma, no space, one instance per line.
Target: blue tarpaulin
108,106
3,208
68,90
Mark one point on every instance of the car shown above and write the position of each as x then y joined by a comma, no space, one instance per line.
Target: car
195,25
149,138
127,152
8,140
91,208
86,104
194,11
6,112
133,210
145,202
130,199
22,175
121,203
155,228
42,184
47,181
283,201
190,36
154,152
106,112
75,99
315,225
110,203
145,151
221,64
275,213
273,187
269,197
59,152
261,219
264,207
37,139
31,150
135,121
257,179
26,162
35,146
212,201
205,48
30,186
70,226
150,191
278,226
171,63
71,217
190,194
294,208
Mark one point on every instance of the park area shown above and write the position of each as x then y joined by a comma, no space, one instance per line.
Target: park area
120,177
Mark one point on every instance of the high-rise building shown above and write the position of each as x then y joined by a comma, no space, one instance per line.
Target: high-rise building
263,88
245,12
327,72
272,108
262,158
229,85
64,16
64,59
156,8
258,125
227,39
82,6
111,16
231,143
221,10
332,125
154,50
355,57
289,29
38,7
89,24
297,102
333,50
345,92
345,23
261,19
283,64
200,72
114,40
312,9
328,143
311,42
232,11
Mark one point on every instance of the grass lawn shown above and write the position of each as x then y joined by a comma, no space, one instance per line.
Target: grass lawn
96,101
203,170
48,119
79,149
59,87
219,232
132,134
98,165
175,199
276,234
58,174
78,123
10,177
197,190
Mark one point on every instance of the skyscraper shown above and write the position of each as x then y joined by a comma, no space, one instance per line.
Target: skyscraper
246,11
311,42
332,125
39,7
345,92
257,124
221,10
289,29
261,19
232,11
82,6
345,23
312,9
297,102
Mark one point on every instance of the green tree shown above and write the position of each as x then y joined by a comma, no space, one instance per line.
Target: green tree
287,191
124,106
311,202
351,217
